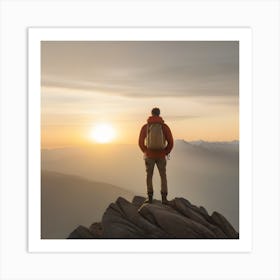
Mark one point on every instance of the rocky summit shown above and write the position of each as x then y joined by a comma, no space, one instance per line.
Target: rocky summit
139,220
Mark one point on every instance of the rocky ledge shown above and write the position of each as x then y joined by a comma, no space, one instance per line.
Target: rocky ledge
136,219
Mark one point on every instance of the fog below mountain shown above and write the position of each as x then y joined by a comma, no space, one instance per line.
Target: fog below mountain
206,173
68,200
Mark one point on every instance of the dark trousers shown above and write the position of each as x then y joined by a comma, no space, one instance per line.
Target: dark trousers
161,165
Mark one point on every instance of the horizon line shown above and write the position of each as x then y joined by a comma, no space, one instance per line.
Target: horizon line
131,144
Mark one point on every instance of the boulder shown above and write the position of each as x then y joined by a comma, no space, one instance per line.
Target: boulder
138,220
126,222
224,225
81,232
175,224
96,229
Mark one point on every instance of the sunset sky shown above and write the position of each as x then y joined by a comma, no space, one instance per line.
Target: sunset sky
84,84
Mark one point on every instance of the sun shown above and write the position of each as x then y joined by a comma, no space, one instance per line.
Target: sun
103,133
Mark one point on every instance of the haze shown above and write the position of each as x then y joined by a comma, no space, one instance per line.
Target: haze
205,173
104,92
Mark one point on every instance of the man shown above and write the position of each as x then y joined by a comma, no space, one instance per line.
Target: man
156,142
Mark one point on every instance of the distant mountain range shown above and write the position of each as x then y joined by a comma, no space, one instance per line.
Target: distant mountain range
216,143
214,147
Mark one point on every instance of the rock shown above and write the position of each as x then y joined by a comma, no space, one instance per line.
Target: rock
81,232
139,220
126,222
175,224
198,215
225,226
138,200
96,229
203,211
115,224
186,210
200,210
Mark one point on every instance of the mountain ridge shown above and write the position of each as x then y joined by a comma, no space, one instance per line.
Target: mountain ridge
67,200
79,177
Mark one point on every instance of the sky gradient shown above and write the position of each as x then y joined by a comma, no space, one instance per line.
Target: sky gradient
195,84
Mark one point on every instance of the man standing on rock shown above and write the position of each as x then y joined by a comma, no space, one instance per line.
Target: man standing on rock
156,142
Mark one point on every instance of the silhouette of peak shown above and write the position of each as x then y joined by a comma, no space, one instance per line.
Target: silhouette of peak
136,219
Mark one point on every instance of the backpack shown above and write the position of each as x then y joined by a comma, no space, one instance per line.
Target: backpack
155,139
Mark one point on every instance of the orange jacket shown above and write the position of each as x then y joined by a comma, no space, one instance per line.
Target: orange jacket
168,136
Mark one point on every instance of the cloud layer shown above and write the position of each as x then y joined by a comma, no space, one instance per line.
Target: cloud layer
143,69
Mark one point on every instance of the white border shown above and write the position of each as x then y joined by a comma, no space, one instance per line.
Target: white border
243,35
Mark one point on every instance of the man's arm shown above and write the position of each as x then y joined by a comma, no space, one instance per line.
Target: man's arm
169,139
141,140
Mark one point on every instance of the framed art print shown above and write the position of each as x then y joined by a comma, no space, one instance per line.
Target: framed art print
140,139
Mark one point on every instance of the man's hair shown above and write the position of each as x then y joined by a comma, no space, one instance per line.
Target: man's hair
155,111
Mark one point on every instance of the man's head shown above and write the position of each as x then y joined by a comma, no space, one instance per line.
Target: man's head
155,111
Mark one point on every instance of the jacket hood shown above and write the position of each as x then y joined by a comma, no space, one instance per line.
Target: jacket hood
155,119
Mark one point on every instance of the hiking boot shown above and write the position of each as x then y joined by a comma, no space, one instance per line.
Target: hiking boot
149,199
164,199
